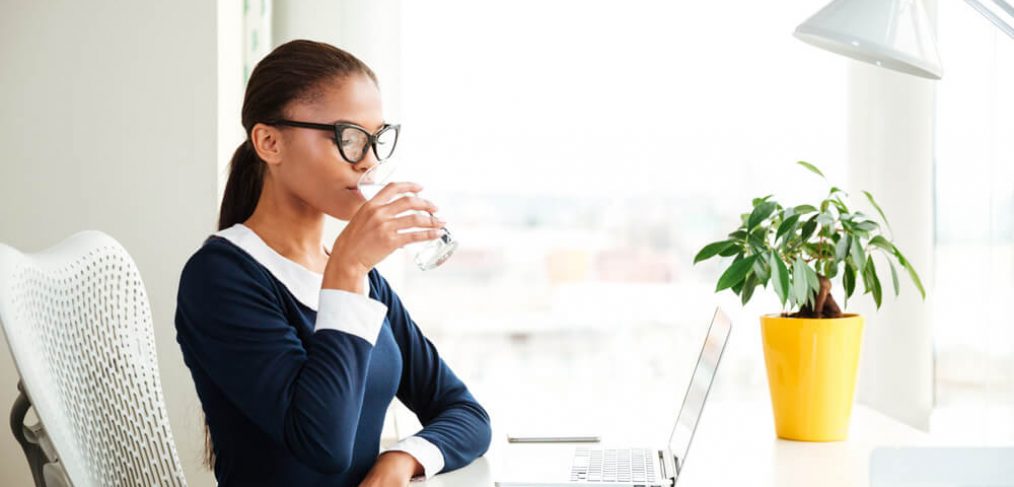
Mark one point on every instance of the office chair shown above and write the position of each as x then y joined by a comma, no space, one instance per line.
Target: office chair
78,324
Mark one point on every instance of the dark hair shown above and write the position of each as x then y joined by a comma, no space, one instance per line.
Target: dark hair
291,72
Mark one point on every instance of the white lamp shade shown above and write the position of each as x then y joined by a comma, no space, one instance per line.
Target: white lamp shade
894,34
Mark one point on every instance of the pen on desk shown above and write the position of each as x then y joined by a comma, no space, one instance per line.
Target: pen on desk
553,439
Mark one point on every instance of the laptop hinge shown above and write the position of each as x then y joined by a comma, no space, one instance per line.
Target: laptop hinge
669,470
667,466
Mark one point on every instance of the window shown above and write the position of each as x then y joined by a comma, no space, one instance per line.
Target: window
582,153
975,228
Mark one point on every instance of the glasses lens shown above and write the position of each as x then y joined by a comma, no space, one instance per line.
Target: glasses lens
386,141
353,143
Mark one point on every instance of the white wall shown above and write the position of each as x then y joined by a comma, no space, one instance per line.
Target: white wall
230,88
109,122
890,144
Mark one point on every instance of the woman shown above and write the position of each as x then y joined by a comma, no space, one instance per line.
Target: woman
297,351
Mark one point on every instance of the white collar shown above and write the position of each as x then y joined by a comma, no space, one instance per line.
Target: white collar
303,283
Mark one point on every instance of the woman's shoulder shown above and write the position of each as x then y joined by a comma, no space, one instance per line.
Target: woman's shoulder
218,259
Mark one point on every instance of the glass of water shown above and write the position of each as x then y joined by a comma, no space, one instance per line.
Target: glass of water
429,254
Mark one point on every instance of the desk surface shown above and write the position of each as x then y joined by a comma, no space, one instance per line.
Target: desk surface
735,444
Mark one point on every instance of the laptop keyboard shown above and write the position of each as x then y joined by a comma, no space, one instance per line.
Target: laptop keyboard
613,465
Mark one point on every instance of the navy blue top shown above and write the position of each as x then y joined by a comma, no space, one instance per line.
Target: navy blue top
286,405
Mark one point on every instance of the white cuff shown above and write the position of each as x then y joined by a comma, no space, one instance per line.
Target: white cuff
426,453
350,313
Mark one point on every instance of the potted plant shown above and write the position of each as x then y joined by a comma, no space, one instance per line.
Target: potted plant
811,348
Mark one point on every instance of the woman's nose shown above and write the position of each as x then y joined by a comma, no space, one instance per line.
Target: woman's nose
367,162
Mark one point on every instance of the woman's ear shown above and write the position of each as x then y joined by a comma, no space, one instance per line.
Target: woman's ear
267,142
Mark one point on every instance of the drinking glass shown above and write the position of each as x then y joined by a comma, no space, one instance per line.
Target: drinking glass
429,254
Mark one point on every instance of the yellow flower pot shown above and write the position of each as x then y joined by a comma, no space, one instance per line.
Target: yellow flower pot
812,374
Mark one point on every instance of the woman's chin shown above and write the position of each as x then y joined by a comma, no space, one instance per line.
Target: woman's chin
346,211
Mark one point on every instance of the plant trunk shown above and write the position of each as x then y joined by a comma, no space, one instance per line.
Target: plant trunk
824,306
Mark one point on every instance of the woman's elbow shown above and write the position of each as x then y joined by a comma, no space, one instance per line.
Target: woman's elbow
486,438
484,431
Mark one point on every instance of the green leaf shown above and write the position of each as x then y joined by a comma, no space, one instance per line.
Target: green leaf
811,167
760,270
808,228
841,250
849,280
830,269
804,209
735,273
911,271
812,280
857,254
811,248
780,277
894,277
731,250
713,249
787,226
915,278
883,243
877,207
749,284
840,206
759,232
867,226
873,281
855,229
800,287
825,219
760,212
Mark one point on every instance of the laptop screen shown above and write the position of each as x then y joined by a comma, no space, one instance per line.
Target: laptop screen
700,384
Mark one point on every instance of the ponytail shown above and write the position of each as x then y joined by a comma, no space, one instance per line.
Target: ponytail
243,189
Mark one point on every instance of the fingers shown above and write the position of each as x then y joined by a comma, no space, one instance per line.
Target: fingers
407,203
420,236
417,220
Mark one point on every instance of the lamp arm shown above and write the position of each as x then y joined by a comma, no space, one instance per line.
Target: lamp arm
993,17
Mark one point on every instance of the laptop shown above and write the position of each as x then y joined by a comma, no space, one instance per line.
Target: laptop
633,467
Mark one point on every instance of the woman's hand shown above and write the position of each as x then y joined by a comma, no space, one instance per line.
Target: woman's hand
392,469
373,233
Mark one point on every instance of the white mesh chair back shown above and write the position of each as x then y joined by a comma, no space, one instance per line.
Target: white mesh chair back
78,323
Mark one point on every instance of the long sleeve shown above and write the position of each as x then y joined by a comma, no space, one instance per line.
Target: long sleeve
307,398
452,419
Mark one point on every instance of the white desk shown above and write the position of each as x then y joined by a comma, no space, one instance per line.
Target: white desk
735,444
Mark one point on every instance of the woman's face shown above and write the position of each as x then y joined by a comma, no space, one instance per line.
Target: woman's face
310,166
